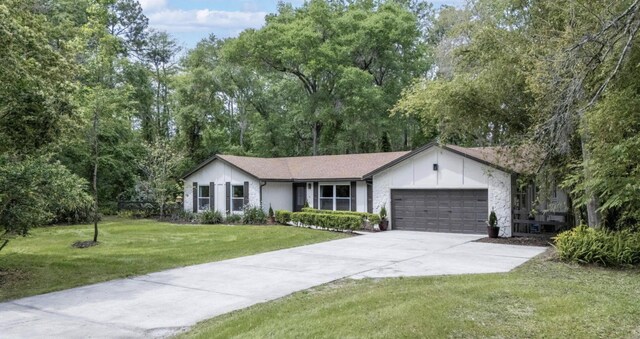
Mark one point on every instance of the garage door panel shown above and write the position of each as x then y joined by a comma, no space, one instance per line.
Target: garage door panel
440,210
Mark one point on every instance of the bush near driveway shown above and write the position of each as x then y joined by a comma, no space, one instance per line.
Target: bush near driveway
331,221
599,246
370,217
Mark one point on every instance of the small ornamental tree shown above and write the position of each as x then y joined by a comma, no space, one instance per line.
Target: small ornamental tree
383,213
493,220
159,168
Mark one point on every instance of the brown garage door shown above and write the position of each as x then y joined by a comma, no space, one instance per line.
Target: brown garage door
442,210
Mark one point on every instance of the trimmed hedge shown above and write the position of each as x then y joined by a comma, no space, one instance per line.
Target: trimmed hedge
597,246
371,217
328,220
282,216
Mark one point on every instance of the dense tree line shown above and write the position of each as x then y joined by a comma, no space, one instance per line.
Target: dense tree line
559,77
97,107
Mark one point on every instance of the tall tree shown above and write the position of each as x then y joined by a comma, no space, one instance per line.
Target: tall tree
545,73
351,59
589,45
103,97
36,111
479,93
160,55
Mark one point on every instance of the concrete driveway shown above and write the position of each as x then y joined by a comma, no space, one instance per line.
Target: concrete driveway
162,303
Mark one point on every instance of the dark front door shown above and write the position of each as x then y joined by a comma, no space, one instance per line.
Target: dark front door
440,210
299,196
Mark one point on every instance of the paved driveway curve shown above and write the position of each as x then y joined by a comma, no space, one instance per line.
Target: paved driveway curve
159,304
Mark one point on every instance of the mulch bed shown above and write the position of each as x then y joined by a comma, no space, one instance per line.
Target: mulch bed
84,244
524,241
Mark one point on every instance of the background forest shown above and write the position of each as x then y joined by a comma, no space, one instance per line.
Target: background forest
96,107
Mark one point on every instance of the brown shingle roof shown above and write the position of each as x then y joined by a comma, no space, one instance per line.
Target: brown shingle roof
515,159
326,167
359,166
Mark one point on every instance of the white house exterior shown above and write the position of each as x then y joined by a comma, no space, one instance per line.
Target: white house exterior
440,188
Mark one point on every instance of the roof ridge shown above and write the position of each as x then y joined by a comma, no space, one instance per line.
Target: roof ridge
310,156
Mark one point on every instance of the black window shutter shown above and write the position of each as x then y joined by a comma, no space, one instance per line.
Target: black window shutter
370,197
315,195
353,196
195,197
212,196
228,194
246,193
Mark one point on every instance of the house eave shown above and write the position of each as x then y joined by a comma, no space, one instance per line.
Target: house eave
210,160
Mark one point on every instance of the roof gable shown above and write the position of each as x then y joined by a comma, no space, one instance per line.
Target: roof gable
507,159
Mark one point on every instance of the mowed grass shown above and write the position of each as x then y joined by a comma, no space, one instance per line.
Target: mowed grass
542,299
45,260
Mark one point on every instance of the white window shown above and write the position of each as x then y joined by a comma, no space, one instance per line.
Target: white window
335,197
237,198
203,198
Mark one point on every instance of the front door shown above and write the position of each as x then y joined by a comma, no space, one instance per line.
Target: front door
299,196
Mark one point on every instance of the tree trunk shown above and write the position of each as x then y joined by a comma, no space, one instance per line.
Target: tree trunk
316,136
158,122
95,175
593,215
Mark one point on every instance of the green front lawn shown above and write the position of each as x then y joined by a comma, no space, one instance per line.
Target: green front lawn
540,299
45,260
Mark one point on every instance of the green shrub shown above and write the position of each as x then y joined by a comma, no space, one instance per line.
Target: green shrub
184,216
598,246
210,217
270,211
328,220
108,208
283,217
233,219
371,217
78,215
253,216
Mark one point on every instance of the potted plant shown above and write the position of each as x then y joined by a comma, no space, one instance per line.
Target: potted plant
272,218
492,225
384,223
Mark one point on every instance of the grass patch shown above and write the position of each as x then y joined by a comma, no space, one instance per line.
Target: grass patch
45,261
542,298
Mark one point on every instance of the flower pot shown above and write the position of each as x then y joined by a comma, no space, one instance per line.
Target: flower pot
383,224
493,232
